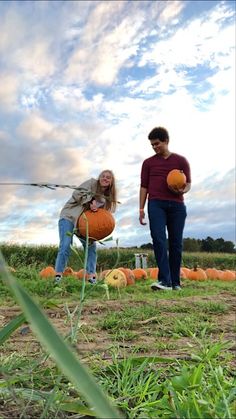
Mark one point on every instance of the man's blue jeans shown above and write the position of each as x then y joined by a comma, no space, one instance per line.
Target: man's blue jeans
65,249
168,215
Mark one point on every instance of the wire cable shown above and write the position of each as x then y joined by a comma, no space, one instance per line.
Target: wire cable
40,185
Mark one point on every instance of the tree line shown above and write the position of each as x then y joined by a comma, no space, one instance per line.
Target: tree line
205,245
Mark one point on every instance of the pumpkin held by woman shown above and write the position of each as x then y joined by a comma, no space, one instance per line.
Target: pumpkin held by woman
100,224
176,178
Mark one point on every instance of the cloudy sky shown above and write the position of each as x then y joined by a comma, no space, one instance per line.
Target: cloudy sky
82,83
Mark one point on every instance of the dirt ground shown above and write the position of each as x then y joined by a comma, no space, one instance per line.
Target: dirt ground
95,341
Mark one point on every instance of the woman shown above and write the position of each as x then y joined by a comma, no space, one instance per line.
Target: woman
92,194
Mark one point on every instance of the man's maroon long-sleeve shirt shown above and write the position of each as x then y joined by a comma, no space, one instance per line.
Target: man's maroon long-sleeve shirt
154,173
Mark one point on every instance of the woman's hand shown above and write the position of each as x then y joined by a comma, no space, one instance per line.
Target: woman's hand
93,205
141,217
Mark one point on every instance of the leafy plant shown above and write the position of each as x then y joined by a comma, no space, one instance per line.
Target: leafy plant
59,350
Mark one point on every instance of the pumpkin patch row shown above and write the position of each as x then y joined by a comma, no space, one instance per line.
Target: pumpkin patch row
198,274
121,276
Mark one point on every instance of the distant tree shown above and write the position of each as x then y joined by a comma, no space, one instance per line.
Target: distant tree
204,245
218,245
191,245
229,247
147,246
208,245
224,246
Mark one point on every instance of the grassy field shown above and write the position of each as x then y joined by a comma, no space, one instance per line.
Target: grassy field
40,256
154,354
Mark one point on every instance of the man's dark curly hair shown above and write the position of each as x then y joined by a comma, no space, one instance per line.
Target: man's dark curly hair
159,133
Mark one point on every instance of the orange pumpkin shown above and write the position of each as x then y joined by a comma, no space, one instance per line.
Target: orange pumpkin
80,274
115,278
47,272
220,272
69,272
176,178
154,273
103,274
130,278
101,223
184,271
228,275
197,274
212,273
139,274
148,270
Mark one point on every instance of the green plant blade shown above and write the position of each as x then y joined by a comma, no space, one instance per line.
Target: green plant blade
13,325
60,351
26,393
75,407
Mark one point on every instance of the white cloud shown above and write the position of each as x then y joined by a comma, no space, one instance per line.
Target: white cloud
171,11
199,41
8,91
12,30
35,127
36,59
111,44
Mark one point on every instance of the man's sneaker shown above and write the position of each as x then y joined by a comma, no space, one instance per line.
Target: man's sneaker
92,280
159,286
177,288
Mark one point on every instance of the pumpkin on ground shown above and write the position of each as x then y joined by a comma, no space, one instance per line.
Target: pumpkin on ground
115,278
80,274
139,274
154,273
100,223
148,270
184,271
227,275
197,274
176,178
212,273
103,273
130,278
47,272
69,272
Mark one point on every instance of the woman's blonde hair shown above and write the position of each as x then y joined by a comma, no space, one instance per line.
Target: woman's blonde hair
110,194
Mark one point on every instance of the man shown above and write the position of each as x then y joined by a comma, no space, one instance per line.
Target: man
166,208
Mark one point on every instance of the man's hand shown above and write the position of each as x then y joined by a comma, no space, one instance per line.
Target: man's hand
141,217
177,190
185,188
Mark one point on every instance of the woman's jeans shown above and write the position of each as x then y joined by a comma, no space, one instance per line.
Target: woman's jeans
168,215
65,249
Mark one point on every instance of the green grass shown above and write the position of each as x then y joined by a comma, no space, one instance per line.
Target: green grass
212,307
155,354
40,256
